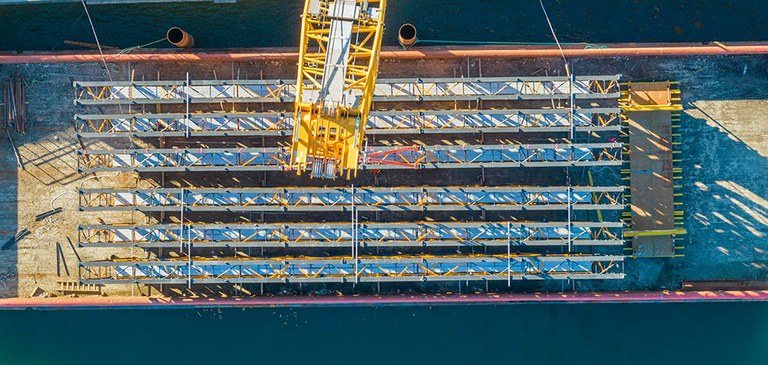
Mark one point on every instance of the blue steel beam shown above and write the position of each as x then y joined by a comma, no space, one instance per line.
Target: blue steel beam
426,234
280,123
364,198
417,157
395,90
347,269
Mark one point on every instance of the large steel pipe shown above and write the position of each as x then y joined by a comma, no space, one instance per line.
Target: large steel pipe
179,38
406,35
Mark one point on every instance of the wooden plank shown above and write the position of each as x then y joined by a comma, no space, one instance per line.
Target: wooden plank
74,287
650,94
650,134
651,181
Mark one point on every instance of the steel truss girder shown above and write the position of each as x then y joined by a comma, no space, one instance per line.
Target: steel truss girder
379,122
494,121
179,92
365,199
386,90
429,157
183,125
500,88
347,269
426,234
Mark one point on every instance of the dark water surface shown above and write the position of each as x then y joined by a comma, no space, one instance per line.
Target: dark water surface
272,23
513,334
728,333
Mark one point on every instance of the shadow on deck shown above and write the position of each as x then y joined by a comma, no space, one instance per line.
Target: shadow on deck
725,170
8,220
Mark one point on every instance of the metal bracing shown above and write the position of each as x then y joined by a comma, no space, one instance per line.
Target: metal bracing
346,269
499,88
493,121
177,92
470,156
380,158
181,125
379,122
365,199
396,90
426,234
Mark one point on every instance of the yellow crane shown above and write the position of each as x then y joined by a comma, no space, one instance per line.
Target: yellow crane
338,65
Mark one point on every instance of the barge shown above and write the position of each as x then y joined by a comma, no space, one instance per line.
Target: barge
489,176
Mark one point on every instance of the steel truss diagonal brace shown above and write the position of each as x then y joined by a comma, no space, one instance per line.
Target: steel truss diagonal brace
364,199
342,269
429,157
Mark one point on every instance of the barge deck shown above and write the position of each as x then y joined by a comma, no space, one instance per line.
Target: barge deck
721,187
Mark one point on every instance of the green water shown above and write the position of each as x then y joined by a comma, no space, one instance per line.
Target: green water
271,23
514,334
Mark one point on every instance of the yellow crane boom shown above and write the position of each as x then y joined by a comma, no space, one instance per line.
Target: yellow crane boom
338,65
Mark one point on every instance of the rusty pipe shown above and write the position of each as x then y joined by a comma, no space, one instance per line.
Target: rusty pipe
613,50
406,35
179,38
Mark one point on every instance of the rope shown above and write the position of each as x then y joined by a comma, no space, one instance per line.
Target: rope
552,29
443,41
498,43
98,44
129,49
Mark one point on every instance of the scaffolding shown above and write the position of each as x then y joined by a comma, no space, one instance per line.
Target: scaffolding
349,269
379,158
379,122
364,199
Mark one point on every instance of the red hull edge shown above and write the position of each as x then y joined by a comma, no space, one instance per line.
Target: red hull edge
448,52
381,300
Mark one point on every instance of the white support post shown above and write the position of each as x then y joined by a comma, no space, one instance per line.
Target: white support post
571,104
509,254
189,257
181,222
354,233
357,245
569,191
186,101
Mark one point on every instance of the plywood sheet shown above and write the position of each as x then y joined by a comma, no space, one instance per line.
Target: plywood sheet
650,93
651,180
656,246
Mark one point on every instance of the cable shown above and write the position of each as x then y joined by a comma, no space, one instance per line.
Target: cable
129,49
101,52
552,29
98,44
59,196
497,43
571,79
